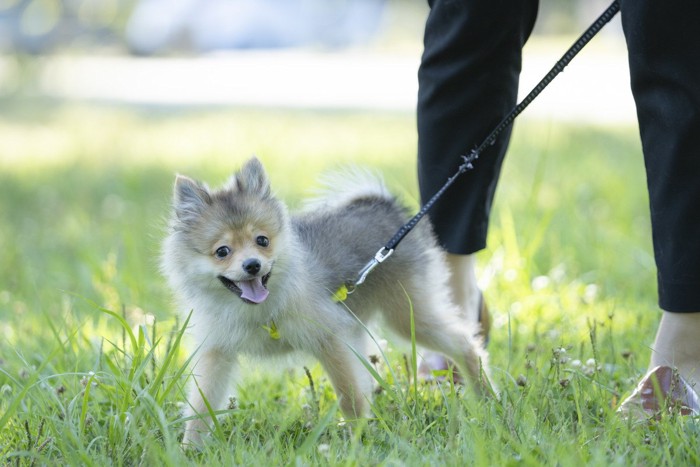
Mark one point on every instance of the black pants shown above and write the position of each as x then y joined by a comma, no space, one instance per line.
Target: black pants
468,81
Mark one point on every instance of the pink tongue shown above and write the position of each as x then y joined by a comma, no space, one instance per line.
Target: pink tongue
253,290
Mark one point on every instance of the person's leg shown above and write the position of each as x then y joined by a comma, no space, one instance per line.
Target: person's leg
463,284
663,41
468,81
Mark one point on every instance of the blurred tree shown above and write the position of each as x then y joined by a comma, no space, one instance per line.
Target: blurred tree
39,26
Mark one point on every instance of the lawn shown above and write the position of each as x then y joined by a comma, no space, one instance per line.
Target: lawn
92,366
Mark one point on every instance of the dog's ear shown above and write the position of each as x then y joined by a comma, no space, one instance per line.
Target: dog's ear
252,179
190,198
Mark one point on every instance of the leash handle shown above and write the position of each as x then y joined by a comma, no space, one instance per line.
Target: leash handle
468,159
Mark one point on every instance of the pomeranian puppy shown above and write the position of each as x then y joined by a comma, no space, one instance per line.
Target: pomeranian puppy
260,282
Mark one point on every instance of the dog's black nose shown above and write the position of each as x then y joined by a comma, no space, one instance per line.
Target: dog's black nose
252,266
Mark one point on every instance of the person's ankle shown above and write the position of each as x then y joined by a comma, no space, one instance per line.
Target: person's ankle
677,345
463,285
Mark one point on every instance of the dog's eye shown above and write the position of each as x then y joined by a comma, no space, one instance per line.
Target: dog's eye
222,252
262,241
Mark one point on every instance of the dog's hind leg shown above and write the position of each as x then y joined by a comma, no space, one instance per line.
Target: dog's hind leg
439,327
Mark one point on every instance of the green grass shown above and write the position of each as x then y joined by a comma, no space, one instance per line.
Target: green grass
92,370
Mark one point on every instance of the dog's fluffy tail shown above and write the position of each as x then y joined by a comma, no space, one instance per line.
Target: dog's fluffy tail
342,187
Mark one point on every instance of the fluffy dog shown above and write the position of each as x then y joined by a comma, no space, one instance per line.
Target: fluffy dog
261,282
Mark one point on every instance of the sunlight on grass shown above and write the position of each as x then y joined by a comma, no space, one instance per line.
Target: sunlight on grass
90,366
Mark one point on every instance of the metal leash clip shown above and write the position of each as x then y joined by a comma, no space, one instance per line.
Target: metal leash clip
379,257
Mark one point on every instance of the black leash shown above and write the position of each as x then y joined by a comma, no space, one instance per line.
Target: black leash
474,154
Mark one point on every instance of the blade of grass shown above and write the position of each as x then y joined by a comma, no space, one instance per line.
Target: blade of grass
167,362
313,437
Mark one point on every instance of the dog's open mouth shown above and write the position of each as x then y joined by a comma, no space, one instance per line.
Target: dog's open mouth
251,291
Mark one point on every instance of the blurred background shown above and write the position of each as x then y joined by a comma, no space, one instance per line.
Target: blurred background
335,54
147,27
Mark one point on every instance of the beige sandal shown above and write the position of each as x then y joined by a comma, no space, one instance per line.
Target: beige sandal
661,390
